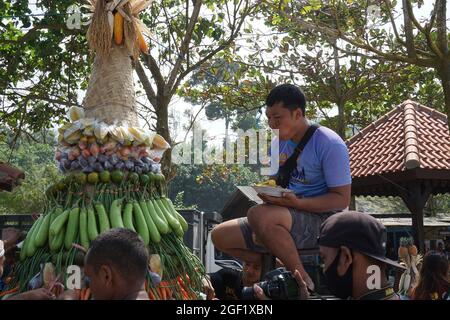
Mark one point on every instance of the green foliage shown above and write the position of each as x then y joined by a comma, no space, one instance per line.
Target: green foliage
381,205
36,159
379,37
436,205
179,202
209,187
44,63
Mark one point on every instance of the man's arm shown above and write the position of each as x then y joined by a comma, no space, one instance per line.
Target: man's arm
337,198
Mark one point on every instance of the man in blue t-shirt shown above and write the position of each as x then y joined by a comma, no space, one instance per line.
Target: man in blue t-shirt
321,183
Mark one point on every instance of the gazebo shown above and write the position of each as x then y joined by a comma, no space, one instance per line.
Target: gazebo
405,153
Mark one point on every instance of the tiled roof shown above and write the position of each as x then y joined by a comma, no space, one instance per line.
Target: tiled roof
408,137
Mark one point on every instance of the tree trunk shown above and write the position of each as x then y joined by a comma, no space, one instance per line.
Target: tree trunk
444,75
227,125
338,87
341,119
162,128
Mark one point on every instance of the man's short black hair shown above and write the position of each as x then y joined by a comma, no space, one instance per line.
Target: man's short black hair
123,249
291,96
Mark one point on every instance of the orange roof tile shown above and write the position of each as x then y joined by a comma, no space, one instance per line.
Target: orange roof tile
408,137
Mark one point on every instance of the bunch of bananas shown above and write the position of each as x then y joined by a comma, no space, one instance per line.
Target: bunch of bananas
268,183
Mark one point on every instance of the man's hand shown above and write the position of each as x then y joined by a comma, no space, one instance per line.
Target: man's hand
288,200
303,293
70,295
208,289
11,237
36,294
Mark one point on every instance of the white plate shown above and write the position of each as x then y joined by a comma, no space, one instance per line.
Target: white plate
271,191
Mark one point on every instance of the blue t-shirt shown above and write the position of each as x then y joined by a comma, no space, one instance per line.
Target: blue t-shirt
324,163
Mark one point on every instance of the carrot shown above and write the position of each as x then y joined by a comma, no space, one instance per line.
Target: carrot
82,293
151,296
165,286
185,294
181,283
168,293
13,290
162,293
78,292
87,293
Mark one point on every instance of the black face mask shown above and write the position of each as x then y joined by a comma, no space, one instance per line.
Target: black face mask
340,286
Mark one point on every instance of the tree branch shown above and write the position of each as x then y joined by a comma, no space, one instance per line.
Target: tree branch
40,97
169,28
151,95
193,121
184,46
33,32
233,35
145,119
409,35
306,25
147,109
425,31
394,25
441,26
156,73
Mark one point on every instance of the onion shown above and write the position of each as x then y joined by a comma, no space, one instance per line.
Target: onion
87,169
74,165
98,167
129,164
119,165
92,160
114,159
107,165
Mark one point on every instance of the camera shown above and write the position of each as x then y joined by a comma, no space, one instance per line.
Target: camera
278,284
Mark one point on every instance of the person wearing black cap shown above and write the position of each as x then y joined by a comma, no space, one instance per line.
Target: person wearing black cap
352,245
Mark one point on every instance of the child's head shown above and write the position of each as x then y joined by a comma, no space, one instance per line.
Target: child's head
116,264
433,274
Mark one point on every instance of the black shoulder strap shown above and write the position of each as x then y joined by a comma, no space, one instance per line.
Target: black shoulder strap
301,145
284,172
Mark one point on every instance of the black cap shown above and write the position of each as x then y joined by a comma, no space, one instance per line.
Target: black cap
357,231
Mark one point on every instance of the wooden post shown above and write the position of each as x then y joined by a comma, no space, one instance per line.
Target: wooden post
415,196
417,227
352,205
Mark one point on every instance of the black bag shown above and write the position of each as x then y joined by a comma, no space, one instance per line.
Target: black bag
284,172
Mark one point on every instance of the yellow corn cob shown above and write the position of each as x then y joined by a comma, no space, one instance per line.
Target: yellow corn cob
142,44
118,28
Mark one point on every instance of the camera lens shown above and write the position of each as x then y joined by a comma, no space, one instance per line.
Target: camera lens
248,293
